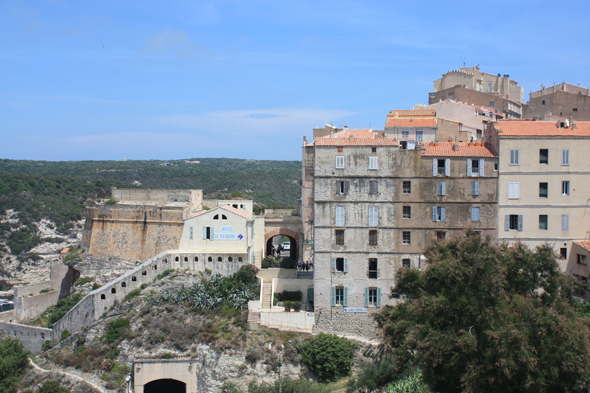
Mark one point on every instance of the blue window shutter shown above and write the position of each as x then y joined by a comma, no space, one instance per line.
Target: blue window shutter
506,222
481,162
442,213
333,296
378,297
345,265
468,167
333,264
366,297
520,222
212,232
447,167
434,162
434,215
345,303
444,188
439,188
204,232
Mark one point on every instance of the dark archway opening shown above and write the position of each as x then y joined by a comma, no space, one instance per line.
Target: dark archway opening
165,386
279,240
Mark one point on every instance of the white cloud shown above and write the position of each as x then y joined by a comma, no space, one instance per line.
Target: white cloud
177,43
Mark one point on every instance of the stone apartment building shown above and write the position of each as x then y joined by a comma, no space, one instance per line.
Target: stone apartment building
472,86
564,100
544,187
375,206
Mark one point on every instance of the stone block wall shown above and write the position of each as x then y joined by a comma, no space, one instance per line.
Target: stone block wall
32,337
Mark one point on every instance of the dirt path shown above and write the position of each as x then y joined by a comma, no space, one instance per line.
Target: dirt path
76,377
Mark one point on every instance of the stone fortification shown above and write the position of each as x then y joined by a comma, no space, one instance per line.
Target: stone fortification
132,232
32,337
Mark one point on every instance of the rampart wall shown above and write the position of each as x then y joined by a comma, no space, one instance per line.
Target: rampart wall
32,337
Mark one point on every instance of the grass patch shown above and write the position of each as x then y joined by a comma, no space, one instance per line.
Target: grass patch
83,280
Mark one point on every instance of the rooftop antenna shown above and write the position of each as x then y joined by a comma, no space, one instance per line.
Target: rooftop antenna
463,61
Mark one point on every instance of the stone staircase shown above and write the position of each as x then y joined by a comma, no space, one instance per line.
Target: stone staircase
266,296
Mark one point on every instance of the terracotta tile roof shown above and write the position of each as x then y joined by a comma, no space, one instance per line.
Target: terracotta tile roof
412,122
466,149
355,142
229,208
65,250
412,113
584,244
530,127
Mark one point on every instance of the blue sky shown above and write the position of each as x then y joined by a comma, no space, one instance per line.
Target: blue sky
247,79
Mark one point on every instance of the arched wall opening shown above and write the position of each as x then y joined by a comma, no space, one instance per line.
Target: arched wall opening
165,385
273,238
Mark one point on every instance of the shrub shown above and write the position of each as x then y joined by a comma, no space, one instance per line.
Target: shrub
290,295
288,305
84,280
52,387
65,334
110,202
328,356
55,313
296,306
132,294
95,286
4,285
166,355
229,387
116,328
164,274
13,362
287,385
247,274
411,384
267,262
288,263
143,286
253,355
375,375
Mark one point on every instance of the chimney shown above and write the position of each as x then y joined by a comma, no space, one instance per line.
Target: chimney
411,119
572,124
456,146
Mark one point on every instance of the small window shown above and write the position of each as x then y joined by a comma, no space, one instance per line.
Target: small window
543,190
165,261
373,187
196,259
440,166
513,222
474,188
406,237
373,299
340,162
491,104
514,157
230,259
565,188
543,219
438,213
208,233
113,290
407,262
513,190
342,187
133,278
144,273
340,150
373,150
474,168
407,187
373,216
563,253
339,264
565,156
239,259
123,284
407,212
405,134
543,102
441,188
544,156
216,217
575,109
186,259
219,259
339,220
339,296
479,135
242,206
177,259
339,237
210,259
419,136
582,259
475,214
373,163
224,217
372,237
495,166
441,235
372,267
103,296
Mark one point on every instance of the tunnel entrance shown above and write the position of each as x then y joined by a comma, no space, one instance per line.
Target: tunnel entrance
274,242
165,386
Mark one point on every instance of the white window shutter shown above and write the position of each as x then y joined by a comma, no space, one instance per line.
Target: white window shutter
378,297
565,157
481,162
447,167
517,190
520,222
333,264
366,297
434,214
434,167
468,167
442,213
204,232
345,303
564,222
506,222
443,188
339,216
345,265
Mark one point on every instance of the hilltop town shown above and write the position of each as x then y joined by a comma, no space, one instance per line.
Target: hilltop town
475,158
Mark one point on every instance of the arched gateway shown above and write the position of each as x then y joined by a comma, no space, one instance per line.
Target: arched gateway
162,375
293,237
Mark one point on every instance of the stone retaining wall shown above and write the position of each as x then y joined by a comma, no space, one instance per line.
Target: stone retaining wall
32,337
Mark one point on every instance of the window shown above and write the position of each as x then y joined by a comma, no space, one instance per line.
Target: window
475,214
224,217
113,290
513,190
441,188
373,187
196,259
133,278
240,258
339,237
373,163
373,216
474,188
372,237
563,253
123,284
103,296
373,150
190,233
407,212
565,188
339,162
441,235
339,216
230,259
340,149
491,104
582,259
565,222
373,297
565,156
186,259
495,166
406,237
208,233
419,136
544,156
513,222
438,213
514,157
405,134
340,265
216,217
407,187
479,135
441,167
372,267
219,259
473,168
340,296
406,262
575,109
342,187
489,87
543,222
210,259
543,102
543,190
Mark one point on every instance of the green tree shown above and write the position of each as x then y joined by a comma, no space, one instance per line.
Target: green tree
13,363
484,316
328,356
52,387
